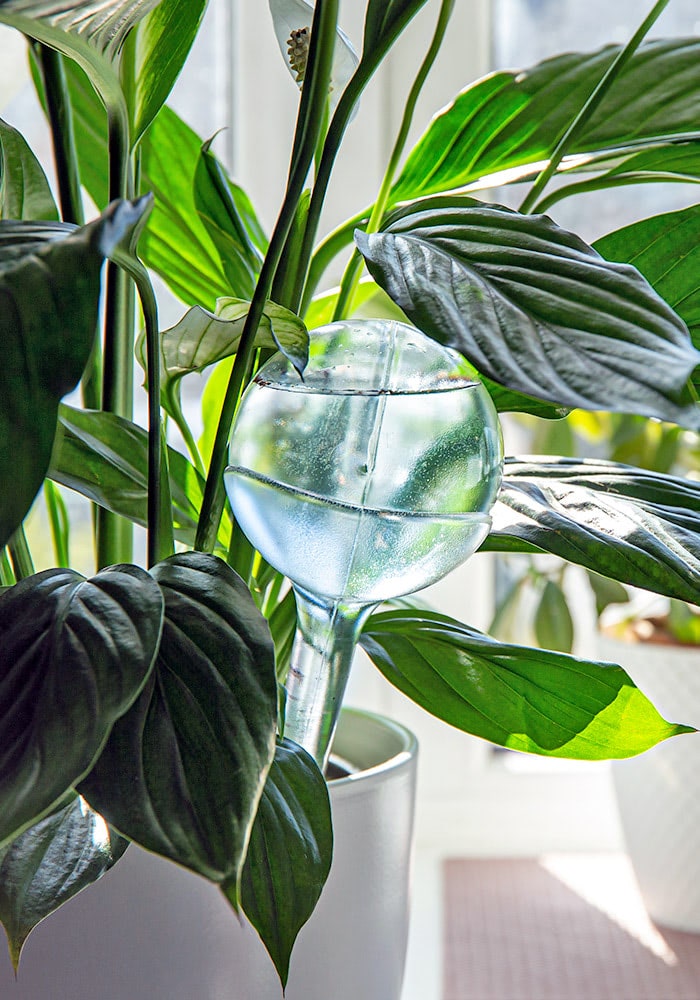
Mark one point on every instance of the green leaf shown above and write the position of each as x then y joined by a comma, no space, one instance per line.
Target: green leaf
511,119
175,243
554,628
49,863
49,287
384,22
163,40
666,250
638,527
606,591
24,190
536,309
105,458
684,623
184,769
290,851
231,222
92,33
75,655
202,338
526,699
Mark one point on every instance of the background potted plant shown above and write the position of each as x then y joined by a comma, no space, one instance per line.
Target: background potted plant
99,698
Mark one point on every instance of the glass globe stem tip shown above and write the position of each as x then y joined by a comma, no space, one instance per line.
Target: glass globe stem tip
321,659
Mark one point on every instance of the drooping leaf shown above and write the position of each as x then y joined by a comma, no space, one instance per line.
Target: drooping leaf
290,852
163,40
554,627
526,699
91,32
75,654
49,863
536,309
105,458
24,189
230,220
640,528
183,770
49,292
666,250
511,119
202,338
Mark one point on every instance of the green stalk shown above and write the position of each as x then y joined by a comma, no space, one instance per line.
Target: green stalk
591,105
7,576
58,522
114,534
22,562
351,277
327,250
309,124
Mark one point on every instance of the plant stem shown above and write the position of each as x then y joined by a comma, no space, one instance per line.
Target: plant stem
309,124
591,105
351,277
58,521
21,557
7,576
60,117
114,534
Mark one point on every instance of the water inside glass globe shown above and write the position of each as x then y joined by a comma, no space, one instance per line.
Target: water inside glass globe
369,478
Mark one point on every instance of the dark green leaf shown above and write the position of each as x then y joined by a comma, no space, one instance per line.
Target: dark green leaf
526,699
554,628
105,458
666,250
231,223
183,770
163,41
75,654
49,294
510,119
49,863
536,309
24,190
290,851
638,527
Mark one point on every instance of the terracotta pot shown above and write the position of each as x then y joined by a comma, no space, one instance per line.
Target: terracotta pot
658,792
150,930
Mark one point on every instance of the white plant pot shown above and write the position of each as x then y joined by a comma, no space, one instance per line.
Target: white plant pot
658,792
149,930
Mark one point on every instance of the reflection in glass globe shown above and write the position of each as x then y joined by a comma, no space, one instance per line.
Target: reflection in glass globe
369,479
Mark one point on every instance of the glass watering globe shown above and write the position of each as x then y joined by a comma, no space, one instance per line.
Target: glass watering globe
369,479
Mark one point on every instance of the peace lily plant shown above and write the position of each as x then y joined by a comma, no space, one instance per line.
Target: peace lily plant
143,704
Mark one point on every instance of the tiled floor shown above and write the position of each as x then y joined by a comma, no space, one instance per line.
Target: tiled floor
560,927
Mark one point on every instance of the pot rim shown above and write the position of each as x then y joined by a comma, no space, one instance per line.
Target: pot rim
403,756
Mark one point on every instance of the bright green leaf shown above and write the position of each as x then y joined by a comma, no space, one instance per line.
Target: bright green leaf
163,40
24,189
666,250
511,119
525,699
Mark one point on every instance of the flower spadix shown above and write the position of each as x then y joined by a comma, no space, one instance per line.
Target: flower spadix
292,22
